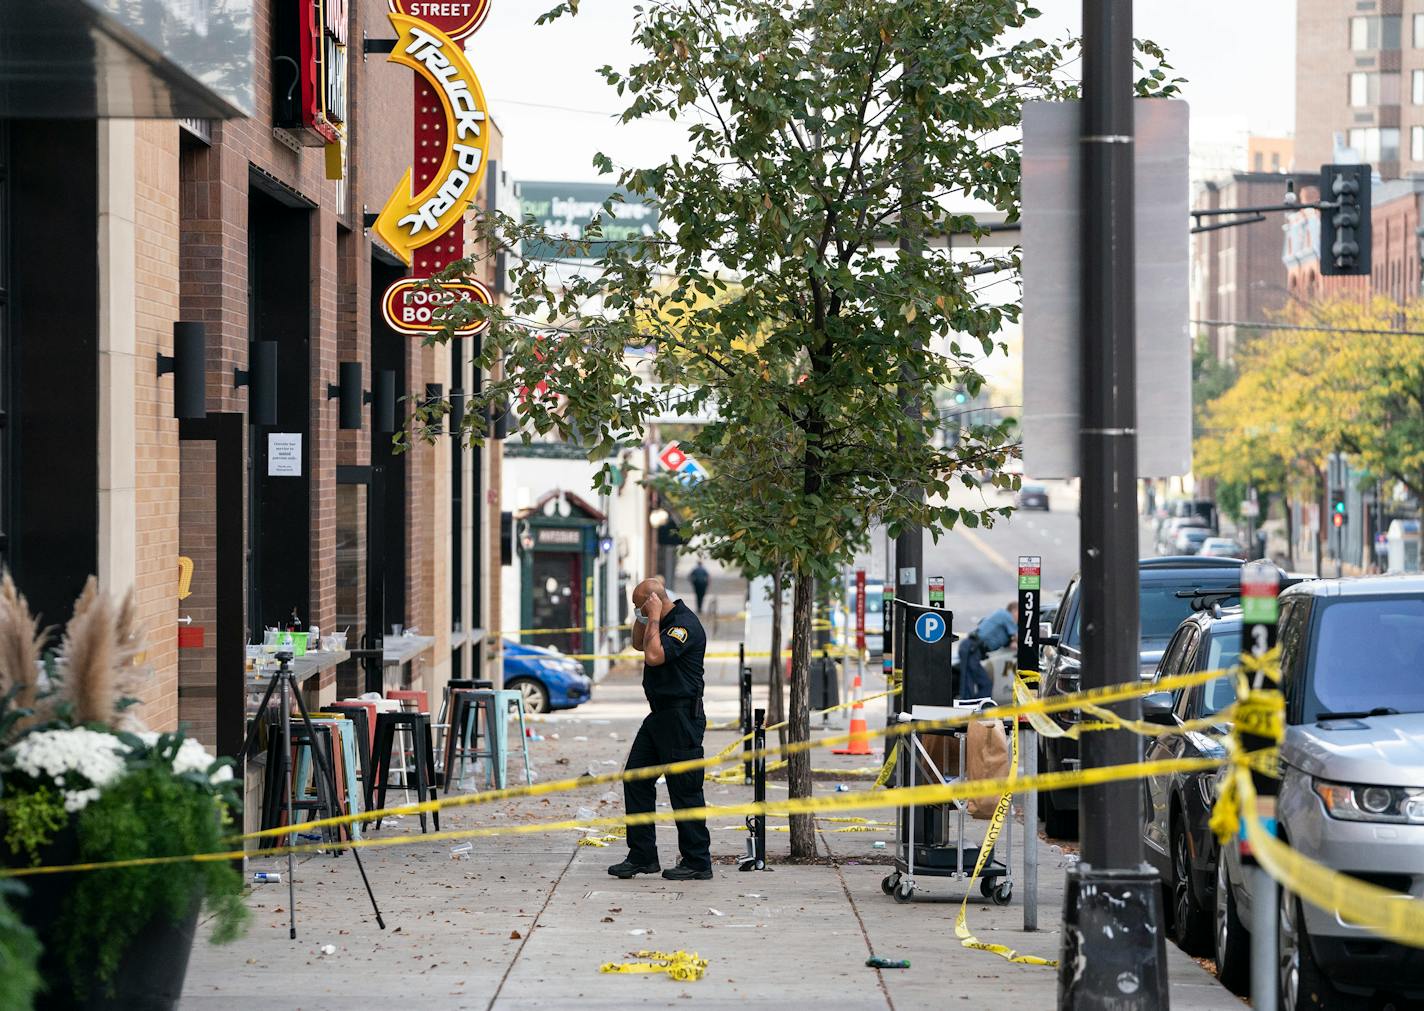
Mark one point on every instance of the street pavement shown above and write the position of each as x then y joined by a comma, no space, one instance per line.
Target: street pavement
526,920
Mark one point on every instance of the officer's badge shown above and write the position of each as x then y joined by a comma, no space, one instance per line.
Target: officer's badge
680,634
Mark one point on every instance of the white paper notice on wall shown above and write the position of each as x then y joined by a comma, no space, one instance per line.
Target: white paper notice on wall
284,454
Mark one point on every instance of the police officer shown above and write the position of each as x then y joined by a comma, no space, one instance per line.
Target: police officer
674,644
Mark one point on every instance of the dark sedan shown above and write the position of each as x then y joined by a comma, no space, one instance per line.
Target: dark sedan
1170,589
1177,807
1032,496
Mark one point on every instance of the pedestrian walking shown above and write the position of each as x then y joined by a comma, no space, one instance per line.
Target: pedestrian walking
674,645
994,632
700,578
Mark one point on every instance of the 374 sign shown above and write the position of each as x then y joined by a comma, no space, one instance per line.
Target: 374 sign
1030,586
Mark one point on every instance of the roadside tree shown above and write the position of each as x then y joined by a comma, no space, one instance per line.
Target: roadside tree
826,141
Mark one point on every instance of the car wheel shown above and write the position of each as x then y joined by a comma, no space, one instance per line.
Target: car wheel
1233,945
1057,823
1190,924
534,695
1303,985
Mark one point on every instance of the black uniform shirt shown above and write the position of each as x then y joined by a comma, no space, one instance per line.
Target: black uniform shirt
684,646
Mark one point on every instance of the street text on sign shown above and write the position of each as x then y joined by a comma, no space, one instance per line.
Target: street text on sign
410,309
936,588
456,18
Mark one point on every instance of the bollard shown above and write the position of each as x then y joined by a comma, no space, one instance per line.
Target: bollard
755,859
1265,954
746,723
1030,854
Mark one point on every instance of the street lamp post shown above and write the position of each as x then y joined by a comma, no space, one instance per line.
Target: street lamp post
1114,948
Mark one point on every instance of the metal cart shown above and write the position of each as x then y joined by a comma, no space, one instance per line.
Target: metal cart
929,839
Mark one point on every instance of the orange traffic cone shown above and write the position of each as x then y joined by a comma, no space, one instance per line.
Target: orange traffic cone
859,739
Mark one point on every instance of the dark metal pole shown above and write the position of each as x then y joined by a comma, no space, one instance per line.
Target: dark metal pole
910,545
1113,938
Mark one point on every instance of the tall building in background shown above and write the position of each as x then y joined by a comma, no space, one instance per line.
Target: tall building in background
1360,83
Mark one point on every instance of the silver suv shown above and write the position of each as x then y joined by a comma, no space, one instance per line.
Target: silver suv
1352,792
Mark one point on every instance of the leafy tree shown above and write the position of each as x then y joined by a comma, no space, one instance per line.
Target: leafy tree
828,140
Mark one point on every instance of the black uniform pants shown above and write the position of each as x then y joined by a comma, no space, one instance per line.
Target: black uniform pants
672,735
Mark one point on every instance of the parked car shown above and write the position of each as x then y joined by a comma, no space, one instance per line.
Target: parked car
1190,540
545,678
1032,496
1221,547
1167,533
1352,788
1177,806
1170,590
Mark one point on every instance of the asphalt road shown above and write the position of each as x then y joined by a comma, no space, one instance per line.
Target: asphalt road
980,566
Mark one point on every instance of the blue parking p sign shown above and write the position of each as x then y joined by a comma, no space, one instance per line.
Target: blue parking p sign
930,627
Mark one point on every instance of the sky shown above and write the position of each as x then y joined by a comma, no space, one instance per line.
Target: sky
556,112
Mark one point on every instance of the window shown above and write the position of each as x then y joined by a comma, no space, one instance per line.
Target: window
1371,89
1374,144
1359,90
1416,143
1260,161
1374,32
1419,31
1365,656
1275,161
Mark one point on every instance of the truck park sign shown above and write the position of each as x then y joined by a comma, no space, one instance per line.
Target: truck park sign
423,221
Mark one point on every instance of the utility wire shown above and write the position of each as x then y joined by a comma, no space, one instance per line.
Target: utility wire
1312,329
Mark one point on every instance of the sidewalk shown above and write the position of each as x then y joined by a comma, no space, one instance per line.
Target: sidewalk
527,920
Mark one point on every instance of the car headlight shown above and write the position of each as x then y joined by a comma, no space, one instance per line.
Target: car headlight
1403,804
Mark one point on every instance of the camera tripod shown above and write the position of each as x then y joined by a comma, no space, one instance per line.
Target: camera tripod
288,681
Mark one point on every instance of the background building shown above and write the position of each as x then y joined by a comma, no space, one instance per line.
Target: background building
1360,83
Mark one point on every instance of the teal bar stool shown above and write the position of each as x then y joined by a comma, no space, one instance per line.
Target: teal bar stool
346,731
496,702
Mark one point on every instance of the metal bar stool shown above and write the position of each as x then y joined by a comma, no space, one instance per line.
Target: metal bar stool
496,704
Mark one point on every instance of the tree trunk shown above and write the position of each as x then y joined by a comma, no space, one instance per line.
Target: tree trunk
776,678
803,836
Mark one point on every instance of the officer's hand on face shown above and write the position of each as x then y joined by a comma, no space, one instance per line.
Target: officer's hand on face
653,607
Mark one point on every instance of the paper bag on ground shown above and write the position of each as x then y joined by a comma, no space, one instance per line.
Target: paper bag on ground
987,758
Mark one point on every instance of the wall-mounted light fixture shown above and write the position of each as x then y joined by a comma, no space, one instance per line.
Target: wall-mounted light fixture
383,401
188,366
348,390
260,378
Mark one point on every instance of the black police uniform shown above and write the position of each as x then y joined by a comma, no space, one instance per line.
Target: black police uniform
672,732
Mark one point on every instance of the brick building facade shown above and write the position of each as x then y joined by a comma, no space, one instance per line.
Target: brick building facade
116,229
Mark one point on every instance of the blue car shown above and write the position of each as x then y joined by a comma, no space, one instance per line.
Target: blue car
546,679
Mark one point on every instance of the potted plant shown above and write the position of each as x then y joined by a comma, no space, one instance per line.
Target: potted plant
82,781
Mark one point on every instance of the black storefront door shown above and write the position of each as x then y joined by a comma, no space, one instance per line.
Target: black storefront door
358,490
557,582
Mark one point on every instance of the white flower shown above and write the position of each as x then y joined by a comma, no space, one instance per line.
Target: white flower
62,756
191,757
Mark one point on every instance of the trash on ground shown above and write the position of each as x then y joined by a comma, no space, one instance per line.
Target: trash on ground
878,844
887,963
715,912
328,949
515,935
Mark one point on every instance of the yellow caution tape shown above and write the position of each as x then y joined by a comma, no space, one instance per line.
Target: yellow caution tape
1060,703
915,796
891,754
678,964
991,836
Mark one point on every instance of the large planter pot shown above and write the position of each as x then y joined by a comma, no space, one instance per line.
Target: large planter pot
151,970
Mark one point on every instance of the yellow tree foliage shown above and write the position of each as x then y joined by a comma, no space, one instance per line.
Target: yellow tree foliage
1351,380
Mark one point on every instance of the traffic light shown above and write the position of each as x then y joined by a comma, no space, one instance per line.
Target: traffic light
1337,509
1345,221
961,396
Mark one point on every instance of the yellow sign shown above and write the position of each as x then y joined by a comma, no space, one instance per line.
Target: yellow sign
185,577
408,220
410,309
